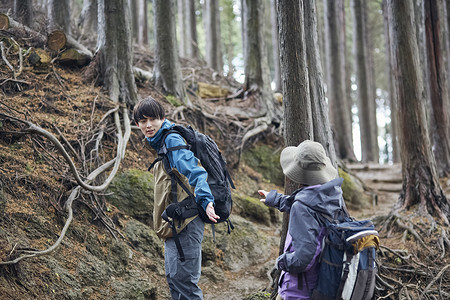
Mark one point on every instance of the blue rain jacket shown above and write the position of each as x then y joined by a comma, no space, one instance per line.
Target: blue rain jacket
185,162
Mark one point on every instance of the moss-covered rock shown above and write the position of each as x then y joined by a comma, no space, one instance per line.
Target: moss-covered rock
246,246
132,193
266,161
353,191
144,239
252,208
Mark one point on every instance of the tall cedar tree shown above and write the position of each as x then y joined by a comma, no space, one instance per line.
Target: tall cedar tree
211,18
275,47
438,84
23,12
319,108
257,77
420,179
191,30
364,94
167,69
58,13
340,115
296,96
114,51
393,126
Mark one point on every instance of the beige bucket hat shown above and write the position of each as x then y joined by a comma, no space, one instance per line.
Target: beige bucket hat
307,164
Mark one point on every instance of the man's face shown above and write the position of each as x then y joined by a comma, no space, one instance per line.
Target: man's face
150,126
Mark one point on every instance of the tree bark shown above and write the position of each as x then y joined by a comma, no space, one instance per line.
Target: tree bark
114,51
167,70
393,128
275,46
58,13
319,108
23,12
339,113
191,30
213,37
296,96
143,23
257,77
181,28
134,10
420,179
438,85
363,92
88,17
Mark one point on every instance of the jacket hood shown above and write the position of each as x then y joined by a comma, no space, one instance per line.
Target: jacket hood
155,141
326,198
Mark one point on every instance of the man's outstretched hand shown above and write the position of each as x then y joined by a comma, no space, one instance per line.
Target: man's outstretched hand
211,213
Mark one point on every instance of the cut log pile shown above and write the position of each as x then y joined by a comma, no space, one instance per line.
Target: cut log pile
57,45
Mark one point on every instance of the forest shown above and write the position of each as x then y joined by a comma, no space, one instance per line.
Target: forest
369,80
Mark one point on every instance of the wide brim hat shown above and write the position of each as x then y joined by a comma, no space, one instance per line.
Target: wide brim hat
307,164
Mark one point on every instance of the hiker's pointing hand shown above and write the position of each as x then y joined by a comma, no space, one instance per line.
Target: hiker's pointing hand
211,213
264,194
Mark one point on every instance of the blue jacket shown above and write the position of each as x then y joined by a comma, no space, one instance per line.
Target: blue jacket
306,230
185,162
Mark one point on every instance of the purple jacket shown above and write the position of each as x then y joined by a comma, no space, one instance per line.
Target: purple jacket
305,234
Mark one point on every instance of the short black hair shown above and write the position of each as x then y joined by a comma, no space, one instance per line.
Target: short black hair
148,108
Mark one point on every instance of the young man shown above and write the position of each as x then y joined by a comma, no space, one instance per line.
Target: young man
321,192
182,276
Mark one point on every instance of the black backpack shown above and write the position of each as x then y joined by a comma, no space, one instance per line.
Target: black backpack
219,180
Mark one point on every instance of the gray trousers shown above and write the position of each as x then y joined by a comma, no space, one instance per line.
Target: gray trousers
183,277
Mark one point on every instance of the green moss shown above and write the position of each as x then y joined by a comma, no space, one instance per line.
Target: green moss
258,296
266,161
132,192
173,100
353,192
252,208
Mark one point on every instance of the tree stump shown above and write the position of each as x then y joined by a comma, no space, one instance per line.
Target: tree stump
4,22
56,40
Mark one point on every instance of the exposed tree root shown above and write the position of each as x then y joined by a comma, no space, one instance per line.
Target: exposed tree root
419,270
82,184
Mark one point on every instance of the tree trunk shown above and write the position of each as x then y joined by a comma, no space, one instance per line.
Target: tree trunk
275,46
181,28
143,23
437,82
213,37
114,51
368,46
363,92
346,66
447,35
420,179
296,96
191,30
58,13
393,128
228,34
243,30
23,12
88,17
167,70
134,11
257,77
339,113
319,109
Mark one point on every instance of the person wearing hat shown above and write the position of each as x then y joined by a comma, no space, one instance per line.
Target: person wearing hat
320,193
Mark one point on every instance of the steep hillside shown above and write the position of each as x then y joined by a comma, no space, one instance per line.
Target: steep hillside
110,250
